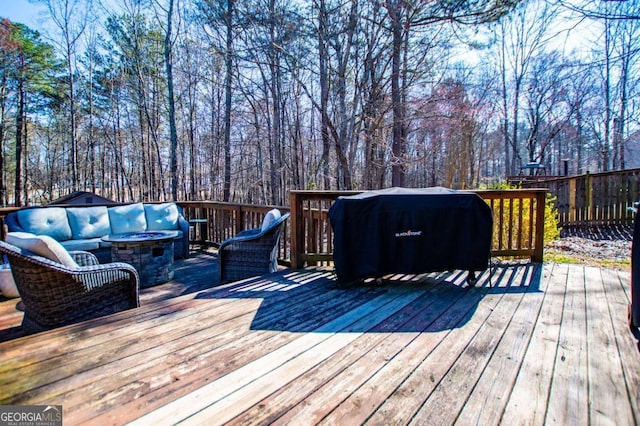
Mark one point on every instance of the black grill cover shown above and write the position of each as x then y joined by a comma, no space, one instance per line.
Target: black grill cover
411,231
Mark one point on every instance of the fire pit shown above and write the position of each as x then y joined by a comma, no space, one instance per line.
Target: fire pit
151,253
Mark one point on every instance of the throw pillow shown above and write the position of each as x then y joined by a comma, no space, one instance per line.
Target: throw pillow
127,218
88,222
42,245
51,221
271,217
161,217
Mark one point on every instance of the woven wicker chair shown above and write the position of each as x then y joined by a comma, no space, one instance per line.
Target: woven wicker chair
55,295
251,252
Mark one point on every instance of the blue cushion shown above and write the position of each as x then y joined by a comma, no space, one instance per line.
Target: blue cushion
88,222
104,244
128,218
161,217
84,245
270,218
51,221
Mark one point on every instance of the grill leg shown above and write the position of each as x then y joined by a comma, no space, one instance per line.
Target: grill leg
471,279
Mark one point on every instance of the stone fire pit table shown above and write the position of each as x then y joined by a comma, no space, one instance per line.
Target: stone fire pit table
151,253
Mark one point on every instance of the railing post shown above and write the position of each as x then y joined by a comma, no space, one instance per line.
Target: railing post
239,223
297,230
573,217
588,198
538,247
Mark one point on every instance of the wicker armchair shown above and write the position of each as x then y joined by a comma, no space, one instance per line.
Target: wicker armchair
55,295
251,252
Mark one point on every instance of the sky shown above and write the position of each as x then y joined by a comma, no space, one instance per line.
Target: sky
33,15
22,11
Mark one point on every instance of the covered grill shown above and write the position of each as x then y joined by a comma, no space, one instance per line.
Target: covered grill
411,231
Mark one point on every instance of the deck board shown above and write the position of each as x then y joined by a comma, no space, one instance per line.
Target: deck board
492,390
466,369
529,394
568,394
530,344
605,370
617,297
322,379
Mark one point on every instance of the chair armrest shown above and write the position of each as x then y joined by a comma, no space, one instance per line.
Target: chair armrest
248,233
183,224
105,267
103,275
243,236
84,258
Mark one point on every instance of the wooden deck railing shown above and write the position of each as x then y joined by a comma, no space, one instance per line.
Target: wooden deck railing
307,239
213,222
518,224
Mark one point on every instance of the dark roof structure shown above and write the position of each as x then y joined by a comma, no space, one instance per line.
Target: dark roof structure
82,198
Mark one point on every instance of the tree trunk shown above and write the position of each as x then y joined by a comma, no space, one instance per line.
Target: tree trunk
505,123
25,157
227,106
173,168
92,142
19,128
3,177
607,99
324,94
397,145
72,121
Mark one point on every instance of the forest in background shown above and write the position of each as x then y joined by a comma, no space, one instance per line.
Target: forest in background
242,101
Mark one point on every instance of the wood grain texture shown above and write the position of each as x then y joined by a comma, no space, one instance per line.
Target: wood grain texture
531,344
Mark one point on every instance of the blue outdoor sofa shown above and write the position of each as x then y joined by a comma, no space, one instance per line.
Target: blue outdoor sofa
81,228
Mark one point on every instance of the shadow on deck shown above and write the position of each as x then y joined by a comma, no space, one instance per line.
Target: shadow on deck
289,304
294,301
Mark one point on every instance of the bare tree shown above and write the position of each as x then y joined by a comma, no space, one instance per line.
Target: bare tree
546,111
169,12
522,36
71,18
626,48
375,107
337,30
405,17
615,57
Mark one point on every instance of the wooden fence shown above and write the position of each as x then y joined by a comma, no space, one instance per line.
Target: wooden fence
594,199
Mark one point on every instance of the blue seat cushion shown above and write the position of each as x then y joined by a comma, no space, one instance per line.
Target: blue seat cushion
88,222
162,217
87,244
127,218
51,221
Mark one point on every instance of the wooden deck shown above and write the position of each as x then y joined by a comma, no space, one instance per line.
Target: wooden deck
531,344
